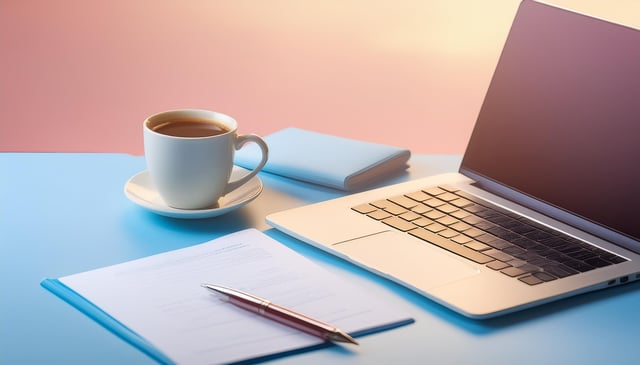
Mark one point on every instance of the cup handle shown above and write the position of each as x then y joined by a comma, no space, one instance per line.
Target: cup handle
240,141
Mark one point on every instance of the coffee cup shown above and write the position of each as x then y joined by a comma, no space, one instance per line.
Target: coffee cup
189,155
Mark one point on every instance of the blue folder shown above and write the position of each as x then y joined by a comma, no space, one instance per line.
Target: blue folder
103,318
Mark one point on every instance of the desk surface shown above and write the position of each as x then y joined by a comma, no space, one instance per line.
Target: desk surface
65,213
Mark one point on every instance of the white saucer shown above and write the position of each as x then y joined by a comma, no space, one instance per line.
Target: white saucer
140,190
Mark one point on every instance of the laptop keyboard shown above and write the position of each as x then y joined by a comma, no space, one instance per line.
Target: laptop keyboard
489,235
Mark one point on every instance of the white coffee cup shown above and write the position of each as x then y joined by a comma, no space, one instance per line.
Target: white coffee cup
189,155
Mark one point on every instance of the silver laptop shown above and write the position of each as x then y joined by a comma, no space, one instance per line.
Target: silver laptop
546,202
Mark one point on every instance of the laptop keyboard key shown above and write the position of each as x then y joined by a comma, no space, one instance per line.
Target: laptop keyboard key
597,262
418,196
436,227
450,246
486,238
447,220
389,206
558,270
513,271
460,226
422,222
447,208
477,246
434,214
460,214
410,216
519,227
473,232
531,280
538,235
434,191
484,225
449,188
399,223
499,244
462,239
498,255
497,265
475,208
578,265
544,276
612,258
434,203
364,208
379,215
460,202
514,250
404,202
448,197
472,219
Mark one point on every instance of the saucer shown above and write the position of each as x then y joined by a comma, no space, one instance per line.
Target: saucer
140,190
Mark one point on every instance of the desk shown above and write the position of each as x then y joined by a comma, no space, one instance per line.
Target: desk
65,213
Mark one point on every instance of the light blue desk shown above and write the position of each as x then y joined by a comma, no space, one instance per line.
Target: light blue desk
65,213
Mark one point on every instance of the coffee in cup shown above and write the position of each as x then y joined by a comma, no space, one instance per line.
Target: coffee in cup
191,127
189,155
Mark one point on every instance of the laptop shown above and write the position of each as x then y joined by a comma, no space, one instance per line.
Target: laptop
545,203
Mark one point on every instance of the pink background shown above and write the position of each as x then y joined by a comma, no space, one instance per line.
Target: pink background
80,76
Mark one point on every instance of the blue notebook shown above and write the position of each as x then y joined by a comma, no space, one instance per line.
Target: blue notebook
323,159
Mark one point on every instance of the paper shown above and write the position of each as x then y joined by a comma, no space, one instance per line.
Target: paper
161,300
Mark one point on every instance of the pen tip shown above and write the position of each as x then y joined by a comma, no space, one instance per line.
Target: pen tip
340,336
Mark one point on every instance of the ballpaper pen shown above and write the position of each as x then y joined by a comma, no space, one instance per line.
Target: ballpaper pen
281,314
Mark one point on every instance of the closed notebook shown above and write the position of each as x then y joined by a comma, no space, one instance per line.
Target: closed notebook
328,160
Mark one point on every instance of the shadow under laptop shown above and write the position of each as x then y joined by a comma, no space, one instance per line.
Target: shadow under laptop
475,326
556,307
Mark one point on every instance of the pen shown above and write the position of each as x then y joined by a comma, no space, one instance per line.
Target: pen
281,314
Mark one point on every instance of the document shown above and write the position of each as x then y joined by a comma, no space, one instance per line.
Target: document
157,304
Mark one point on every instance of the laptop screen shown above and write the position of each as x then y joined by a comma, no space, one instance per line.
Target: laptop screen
561,119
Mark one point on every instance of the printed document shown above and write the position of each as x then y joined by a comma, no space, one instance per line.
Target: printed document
159,298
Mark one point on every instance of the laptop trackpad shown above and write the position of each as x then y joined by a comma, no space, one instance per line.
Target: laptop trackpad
406,259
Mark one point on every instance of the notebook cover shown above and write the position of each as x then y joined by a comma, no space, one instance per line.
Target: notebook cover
328,160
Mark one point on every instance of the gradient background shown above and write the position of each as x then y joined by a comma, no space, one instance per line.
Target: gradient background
80,76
